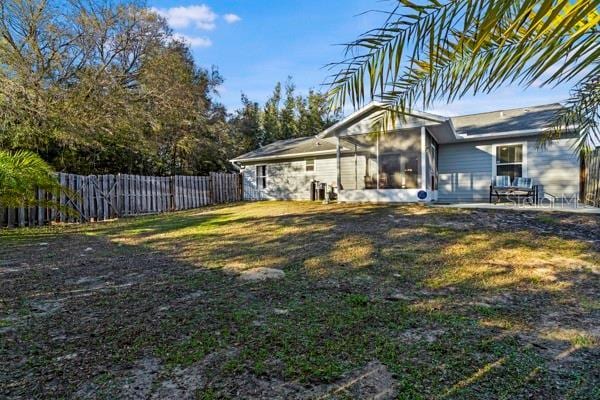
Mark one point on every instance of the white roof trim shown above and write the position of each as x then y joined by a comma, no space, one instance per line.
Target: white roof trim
374,105
280,156
521,132
456,136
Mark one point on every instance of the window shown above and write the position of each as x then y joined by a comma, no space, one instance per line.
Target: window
310,165
261,176
510,160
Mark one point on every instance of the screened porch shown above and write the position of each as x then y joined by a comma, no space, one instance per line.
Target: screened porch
390,166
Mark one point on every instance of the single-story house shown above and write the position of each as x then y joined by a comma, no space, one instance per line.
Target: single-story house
423,157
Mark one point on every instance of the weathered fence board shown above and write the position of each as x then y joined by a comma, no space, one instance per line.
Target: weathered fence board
103,197
592,179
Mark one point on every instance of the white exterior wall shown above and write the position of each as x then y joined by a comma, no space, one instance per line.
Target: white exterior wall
466,169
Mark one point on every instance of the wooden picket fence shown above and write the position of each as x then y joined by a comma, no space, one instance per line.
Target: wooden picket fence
103,197
591,194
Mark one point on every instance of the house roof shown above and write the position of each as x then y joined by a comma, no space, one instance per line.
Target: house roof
534,118
290,147
511,122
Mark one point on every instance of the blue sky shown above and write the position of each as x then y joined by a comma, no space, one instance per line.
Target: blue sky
255,43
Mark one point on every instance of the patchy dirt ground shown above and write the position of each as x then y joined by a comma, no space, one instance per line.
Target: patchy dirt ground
307,301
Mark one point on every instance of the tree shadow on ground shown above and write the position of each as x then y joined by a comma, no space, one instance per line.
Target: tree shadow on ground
455,305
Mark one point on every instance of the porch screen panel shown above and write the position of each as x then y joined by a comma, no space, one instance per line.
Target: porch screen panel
400,160
358,164
431,152
399,165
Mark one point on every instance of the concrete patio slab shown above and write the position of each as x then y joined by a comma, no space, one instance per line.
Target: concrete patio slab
570,208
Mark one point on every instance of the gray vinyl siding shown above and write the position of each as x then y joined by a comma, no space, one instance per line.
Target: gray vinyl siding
288,179
465,169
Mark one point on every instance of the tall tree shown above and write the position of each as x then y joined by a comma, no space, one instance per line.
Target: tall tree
289,126
246,126
96,86
437,50
253,126
314,114
271,115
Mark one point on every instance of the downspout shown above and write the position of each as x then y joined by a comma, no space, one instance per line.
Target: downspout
241,179
338,164
237,167
377,150
423,158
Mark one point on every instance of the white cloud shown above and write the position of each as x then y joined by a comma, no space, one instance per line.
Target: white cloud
231,18
182,17
194,41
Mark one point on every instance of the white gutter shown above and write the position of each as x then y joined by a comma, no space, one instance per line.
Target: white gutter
235,165
452,128
280,156
521,132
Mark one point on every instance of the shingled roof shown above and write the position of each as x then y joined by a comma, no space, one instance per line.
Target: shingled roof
515,119
290,147
524,120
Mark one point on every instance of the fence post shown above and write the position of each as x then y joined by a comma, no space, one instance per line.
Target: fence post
119,193
592,181
171,193
211,190
61,196
10,217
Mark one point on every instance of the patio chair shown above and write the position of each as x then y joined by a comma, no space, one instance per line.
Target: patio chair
370,182
502,182
521,188
499,187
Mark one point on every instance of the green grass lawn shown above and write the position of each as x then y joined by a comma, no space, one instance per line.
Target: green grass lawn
455,304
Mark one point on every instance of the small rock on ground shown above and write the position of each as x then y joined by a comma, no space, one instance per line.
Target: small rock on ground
261,274
398,296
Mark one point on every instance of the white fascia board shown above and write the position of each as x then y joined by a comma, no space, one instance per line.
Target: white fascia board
456,136
283,156
521,132
348,119
373,105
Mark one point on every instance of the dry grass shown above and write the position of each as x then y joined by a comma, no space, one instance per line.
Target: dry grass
456,304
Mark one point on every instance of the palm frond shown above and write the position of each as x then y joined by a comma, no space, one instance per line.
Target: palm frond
21,174
581,113
425,53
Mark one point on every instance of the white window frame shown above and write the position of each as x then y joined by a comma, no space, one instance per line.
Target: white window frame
314,160
523,163
265,176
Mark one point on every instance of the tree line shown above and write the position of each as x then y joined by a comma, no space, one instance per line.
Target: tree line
94,86
285,115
